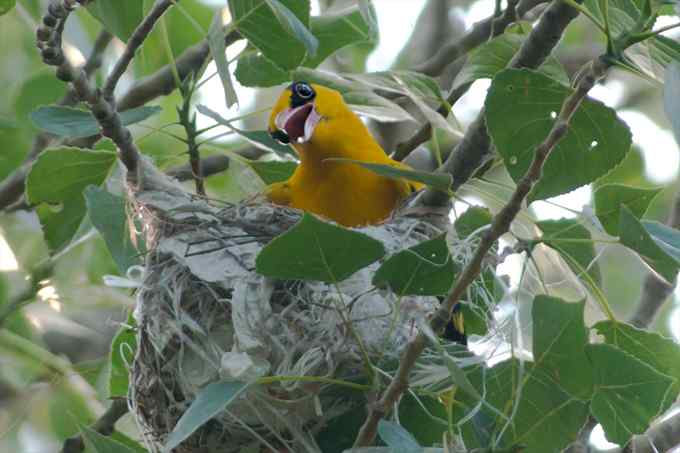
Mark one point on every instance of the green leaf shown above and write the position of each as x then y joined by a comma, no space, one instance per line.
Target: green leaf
494,55
273,170
7,6
425,269
108,215
424,417
662,354
210,401
121,356
294,26
671,94
258,23
98,443
333,31
218,51
609,199
119,17
559,340
56,182
397,438
316,250
638,238
521,108
70,122
260,139
439,181
625,402
546,418
472,220
574,243
38,89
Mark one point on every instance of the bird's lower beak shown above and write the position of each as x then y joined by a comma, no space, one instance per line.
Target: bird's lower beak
299,122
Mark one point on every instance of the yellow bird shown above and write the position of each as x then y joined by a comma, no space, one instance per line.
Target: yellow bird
317,122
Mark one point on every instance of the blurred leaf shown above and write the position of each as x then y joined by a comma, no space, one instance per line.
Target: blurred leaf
339,433
210,401
316,250
98,443
119,17
671,94
472,220
128,442
273,171
609,199
121,356
659,248
559,340
260,139
74,123
38,89
218,51
55,183
6,6
439,181
521,108
544,418
493,56
625,402
294,26
397,438
258,23
662,354
333,31
573,242
425,269
368,14
67,410
108,215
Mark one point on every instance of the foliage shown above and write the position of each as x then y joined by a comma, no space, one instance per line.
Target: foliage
76,225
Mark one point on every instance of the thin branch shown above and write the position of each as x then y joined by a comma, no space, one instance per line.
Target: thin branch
133,44
480,32
655,290
212,165
41,272
105,425
500,225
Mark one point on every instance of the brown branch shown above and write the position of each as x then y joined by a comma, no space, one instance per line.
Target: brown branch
212,165
133,44
480,32
500,225
105,425
655,290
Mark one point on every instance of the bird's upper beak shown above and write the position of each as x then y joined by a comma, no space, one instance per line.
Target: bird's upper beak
298,122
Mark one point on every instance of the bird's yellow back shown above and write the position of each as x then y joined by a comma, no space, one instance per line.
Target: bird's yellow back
321,127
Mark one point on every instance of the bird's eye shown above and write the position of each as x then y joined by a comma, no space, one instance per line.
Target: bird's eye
280,136
303,90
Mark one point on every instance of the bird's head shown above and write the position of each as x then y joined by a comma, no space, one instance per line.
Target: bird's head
301,109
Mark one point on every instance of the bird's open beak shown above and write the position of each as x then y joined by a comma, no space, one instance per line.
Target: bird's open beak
299,122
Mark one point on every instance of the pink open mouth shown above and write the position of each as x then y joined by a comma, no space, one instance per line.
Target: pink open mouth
299,122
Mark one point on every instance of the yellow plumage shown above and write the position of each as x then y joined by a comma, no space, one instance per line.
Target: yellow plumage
321,126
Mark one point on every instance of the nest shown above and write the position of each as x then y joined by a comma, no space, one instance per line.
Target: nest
205,315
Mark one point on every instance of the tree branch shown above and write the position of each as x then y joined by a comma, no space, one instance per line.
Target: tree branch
500,225
214,164
133,44
104,425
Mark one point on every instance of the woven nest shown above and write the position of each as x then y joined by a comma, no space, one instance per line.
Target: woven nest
205,315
